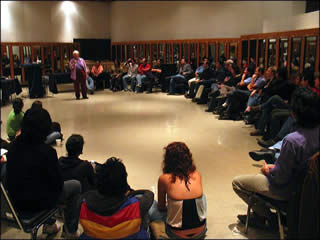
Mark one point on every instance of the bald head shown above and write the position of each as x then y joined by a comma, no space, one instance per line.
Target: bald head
76,54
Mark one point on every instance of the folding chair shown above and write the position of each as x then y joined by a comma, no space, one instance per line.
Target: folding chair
31,224
280,207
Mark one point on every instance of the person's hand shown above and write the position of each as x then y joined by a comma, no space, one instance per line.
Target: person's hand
265,170
3,159
18,132
316,155
253,93
260,92
184,73
226,79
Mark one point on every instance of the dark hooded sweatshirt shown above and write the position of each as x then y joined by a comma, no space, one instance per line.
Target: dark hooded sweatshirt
77,169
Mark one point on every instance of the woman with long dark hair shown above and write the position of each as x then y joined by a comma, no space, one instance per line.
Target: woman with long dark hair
182,205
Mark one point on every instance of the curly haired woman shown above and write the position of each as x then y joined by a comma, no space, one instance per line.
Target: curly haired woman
182,205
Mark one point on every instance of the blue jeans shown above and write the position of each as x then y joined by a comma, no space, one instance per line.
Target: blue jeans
70,198
173,79
90,83
214,86
287,127
267,107
140,78
125,80
52,137
155,214
277,147
254,100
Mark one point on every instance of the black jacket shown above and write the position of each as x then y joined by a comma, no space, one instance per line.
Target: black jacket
75,168
33,175
276,87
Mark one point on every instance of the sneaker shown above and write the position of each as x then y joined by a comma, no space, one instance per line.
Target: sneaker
68,235
51,229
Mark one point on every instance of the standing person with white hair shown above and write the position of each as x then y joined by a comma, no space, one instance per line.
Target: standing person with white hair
79,74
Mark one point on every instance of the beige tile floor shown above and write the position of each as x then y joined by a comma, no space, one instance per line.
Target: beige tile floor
137,127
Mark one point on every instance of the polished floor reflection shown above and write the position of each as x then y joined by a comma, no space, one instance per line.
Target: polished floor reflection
137,127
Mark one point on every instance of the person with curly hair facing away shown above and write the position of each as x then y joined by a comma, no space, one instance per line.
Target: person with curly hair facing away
181,202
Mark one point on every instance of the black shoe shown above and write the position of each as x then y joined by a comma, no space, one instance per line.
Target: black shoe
267,143
208,110
224,117
263,154
254,221
194,100
85,97
149,92
170,94
201,102
78,98
215,112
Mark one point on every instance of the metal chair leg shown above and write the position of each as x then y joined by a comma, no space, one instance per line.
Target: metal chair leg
281,231
248,215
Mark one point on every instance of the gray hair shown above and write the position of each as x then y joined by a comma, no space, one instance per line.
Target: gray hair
75,52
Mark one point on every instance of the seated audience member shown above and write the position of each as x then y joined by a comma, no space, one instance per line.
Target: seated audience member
276,84
55,132
203,84
278,181
154,75
181,202
72,167
316,87
15,119
113,211
36,105
89,82
33,174
98,75
184,73
131,75
277,102
116,71
192,81
143,71
238,98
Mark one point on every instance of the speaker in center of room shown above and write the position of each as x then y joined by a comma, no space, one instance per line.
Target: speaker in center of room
94,49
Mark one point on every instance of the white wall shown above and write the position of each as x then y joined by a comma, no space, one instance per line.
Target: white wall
149,20
45,21
296,22
161,20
